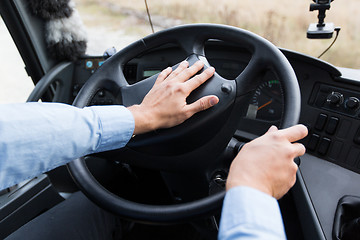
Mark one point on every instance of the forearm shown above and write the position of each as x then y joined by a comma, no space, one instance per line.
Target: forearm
37,137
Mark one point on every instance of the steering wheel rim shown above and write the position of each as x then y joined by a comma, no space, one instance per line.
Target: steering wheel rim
191,38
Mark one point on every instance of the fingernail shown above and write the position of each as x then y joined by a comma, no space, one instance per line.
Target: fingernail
213,101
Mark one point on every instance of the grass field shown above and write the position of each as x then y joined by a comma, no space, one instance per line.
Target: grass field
282,22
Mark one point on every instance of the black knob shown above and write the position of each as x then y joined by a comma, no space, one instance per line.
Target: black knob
352,103
335,98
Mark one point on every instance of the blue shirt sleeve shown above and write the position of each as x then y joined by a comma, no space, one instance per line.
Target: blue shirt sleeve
249,214
38,137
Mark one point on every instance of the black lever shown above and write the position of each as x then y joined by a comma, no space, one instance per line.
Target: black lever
238,145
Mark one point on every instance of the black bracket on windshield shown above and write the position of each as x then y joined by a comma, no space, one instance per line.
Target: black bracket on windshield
320,30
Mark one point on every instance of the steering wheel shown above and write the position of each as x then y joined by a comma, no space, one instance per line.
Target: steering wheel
195,145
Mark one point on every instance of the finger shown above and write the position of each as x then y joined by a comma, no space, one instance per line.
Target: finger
294,133
201,104
299,149
273,128
295,168
163,75
196,81
182,66
189,72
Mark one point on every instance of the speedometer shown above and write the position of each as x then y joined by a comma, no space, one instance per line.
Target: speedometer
267,102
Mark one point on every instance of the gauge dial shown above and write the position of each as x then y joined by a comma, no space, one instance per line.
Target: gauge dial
267,102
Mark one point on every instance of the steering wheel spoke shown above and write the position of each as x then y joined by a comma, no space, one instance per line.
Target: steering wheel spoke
248,79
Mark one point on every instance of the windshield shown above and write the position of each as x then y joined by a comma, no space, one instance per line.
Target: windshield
284,23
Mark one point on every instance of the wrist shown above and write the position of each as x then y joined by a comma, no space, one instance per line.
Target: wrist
143,120
252,184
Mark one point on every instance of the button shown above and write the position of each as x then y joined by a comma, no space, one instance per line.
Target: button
357,136
332,125
324,146
320,122
76,87
226,88
314,139
101,93
89,64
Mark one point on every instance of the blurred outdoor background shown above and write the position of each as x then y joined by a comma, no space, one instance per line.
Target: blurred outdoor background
119,22
284,23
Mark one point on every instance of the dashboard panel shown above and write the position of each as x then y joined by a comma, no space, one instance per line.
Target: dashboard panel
330,108
330,103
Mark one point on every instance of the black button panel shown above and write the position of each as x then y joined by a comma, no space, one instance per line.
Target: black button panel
337,99
335,133
83,69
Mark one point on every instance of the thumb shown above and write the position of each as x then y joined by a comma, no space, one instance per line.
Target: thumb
203,104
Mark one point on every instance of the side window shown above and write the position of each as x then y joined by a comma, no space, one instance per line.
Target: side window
15,84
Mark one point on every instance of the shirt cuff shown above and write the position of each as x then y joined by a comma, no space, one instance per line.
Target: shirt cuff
251,214
117,125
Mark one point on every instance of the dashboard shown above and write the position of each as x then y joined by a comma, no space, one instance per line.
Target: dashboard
330,108
330,102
